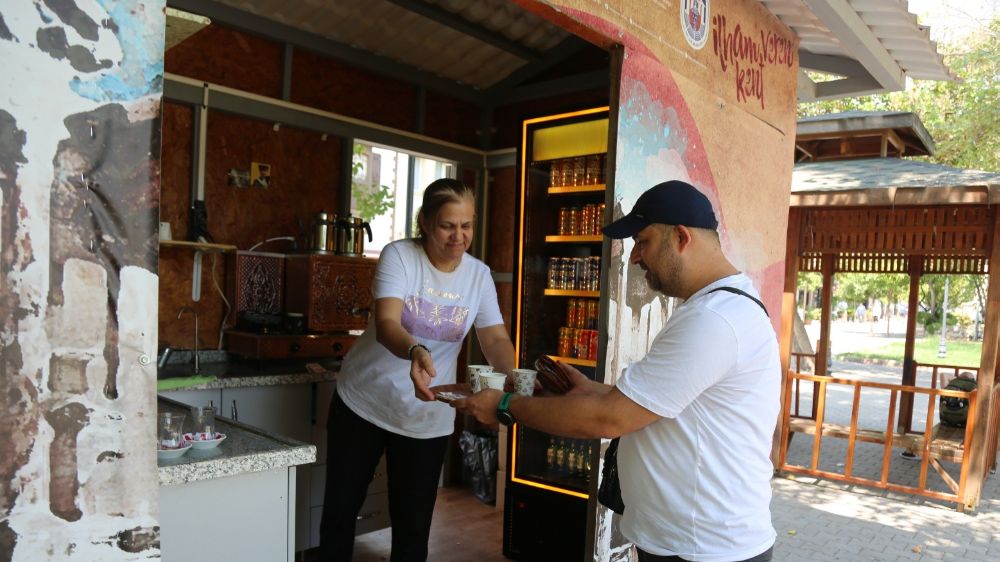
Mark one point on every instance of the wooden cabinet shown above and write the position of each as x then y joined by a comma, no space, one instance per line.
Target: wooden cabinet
333,292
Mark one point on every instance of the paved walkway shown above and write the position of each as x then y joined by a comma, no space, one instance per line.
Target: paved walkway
819,520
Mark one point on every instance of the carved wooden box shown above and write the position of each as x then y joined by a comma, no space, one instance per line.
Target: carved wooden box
333,292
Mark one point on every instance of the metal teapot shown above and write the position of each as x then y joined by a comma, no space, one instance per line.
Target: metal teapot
350,239
324,226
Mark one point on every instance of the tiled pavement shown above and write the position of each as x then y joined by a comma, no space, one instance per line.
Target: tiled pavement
819,520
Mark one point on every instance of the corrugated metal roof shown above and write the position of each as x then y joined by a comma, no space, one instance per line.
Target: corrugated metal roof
884,173
881,34
391,30
479,43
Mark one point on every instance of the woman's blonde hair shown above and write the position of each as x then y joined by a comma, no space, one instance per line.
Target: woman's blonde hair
438,194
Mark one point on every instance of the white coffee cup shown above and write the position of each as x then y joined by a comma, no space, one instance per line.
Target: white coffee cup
473,375
524,381
492,380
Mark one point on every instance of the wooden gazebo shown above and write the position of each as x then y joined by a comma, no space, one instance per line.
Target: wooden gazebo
856,206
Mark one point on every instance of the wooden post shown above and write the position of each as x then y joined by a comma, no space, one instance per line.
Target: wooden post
979,448
823,349
916,269
788,313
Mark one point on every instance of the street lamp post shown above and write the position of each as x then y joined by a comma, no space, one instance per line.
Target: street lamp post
942,346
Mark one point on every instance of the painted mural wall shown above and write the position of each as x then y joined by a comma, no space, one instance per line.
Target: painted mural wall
707,95
79,197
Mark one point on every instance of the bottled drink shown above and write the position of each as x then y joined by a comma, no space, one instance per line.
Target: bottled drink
550,453
571,456
579,170
581,460
560,454
563,221
566,172
554,265
556,174
574,221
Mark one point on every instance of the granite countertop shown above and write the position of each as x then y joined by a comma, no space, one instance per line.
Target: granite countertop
244,374
245,450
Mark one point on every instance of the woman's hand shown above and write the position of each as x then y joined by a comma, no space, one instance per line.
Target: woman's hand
422,373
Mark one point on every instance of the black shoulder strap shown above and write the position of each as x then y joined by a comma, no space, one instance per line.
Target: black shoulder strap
736,291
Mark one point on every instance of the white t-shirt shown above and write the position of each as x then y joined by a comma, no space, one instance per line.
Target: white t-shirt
439,309
696,484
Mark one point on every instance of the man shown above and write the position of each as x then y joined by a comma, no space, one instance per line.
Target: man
697,413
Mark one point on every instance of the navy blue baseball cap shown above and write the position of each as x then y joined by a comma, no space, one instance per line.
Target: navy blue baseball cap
672,202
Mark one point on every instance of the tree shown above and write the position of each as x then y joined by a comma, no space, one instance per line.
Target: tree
369,201
962,116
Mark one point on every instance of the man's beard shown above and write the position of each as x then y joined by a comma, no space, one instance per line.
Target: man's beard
669,283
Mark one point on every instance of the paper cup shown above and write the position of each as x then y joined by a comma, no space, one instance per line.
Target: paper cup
492,380
473,375
524,381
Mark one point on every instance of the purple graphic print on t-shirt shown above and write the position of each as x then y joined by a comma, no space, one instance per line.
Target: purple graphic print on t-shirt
437,322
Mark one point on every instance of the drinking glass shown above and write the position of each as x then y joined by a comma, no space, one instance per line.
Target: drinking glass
169,432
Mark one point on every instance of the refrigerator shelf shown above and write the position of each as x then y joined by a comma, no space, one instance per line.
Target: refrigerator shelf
575,361
571,293
575,238
576,189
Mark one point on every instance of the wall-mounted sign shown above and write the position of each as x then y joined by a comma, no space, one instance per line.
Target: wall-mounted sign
746,52
694,21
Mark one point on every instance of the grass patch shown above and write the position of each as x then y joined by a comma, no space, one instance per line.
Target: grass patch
961,353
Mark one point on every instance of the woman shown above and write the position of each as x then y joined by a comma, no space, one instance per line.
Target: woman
428,294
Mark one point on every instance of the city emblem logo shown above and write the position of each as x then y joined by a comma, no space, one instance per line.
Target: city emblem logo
694,22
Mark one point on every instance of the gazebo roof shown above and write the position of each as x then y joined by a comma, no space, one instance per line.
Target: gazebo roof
890,181
861,134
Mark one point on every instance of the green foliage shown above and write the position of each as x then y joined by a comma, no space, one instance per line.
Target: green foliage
367,201
814,314
810,281
962,116
961,353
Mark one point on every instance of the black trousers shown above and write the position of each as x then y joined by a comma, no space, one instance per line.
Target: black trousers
413,468
647,557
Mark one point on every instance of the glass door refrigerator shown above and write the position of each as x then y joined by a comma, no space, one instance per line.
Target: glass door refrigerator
562,204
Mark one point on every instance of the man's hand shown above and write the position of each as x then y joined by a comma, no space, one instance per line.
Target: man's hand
578,382
556,378
481,405
422,373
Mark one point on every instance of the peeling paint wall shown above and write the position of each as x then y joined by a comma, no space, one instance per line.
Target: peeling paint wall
707,95
79,201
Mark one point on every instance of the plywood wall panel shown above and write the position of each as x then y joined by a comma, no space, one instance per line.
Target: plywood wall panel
453,120
333,86
229,58
305,172
502,219
507,118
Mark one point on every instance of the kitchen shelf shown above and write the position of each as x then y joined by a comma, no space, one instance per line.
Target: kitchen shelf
571,293
198,246
575,238
576,189
574,361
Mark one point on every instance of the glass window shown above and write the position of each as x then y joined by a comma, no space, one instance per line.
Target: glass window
386,183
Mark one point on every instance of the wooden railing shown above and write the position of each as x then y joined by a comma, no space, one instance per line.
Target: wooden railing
797,360
938,372
935,443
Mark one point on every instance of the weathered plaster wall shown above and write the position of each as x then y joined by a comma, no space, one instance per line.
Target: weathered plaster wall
721,116
79,190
